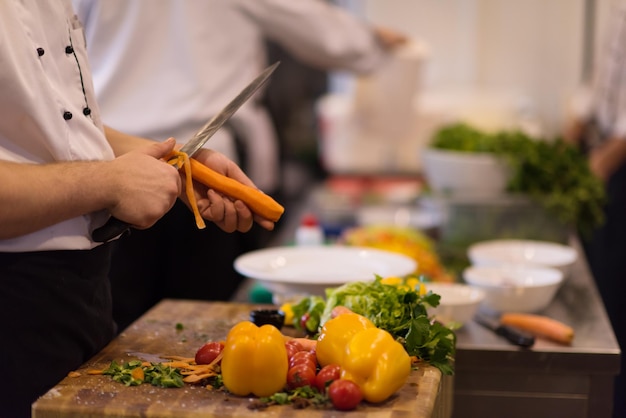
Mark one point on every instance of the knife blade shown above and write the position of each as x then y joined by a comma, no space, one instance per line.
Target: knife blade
513,335
115,227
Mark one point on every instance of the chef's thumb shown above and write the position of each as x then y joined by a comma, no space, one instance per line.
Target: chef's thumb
161,149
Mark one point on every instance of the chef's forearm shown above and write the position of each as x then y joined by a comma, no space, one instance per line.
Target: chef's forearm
122,142
36,196
608,157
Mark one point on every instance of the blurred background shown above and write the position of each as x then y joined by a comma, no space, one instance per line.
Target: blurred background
495,63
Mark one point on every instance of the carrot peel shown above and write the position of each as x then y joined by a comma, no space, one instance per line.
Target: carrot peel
180,159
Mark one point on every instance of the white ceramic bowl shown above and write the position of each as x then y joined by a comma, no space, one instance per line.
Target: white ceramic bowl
459,302
465,173
525,252
515,288
310,270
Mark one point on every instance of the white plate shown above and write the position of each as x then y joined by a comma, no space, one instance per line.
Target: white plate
312,269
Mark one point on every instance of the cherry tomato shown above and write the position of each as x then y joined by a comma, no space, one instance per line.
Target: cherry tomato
300,375
208,352
304,357
293,347
326,376
344,394
303,320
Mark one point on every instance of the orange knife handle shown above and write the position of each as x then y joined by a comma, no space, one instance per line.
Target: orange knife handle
257,201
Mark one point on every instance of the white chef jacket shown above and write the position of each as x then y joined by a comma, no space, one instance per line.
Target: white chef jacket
48,111
608,97
163,67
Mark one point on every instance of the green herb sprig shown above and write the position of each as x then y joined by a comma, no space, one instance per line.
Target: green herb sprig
155,374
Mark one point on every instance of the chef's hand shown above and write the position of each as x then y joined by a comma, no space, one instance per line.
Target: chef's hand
389,38
142,186
227,213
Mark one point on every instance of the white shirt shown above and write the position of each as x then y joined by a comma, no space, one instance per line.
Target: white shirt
44,88
609,88
163,67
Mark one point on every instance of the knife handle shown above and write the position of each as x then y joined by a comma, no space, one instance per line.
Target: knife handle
516,336
111,229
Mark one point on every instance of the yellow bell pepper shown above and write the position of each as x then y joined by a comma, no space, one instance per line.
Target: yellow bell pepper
335,335
254,360
377,363
287,309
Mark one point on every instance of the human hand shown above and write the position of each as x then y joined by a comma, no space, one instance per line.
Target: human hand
227,213
143,187
389,38
572,133
605,159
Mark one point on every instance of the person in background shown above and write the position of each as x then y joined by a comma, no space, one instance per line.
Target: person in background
163,68
600,129
63,175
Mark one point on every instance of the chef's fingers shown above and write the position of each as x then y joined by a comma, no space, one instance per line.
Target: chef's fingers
160,149
264,223
390,38
227,215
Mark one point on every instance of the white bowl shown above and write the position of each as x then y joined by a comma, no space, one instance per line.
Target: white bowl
459,302
515,288
310,270
465,173
525,252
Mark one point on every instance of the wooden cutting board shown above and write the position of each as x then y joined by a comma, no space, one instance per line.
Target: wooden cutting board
159,332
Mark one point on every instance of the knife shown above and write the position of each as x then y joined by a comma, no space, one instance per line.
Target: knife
512,334
115,227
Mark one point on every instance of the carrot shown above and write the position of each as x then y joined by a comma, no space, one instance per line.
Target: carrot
306,343
259,202
539,325
137,373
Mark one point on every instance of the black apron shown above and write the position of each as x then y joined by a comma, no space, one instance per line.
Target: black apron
55,314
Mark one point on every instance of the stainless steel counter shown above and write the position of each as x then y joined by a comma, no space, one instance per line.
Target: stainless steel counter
495,379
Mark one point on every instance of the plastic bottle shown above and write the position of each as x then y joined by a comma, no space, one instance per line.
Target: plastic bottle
309,232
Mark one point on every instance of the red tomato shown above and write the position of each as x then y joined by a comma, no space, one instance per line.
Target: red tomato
292,347
300,375
327,375
344,394
303,319
208,352
304,357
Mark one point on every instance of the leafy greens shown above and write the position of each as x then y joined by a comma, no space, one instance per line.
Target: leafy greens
551,172
397,309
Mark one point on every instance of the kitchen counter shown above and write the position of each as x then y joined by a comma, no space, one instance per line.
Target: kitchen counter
495,379
425,395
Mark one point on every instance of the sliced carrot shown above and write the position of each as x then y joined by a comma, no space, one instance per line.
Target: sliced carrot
181,358
198,377
540,325
177,364
137,373
257,201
